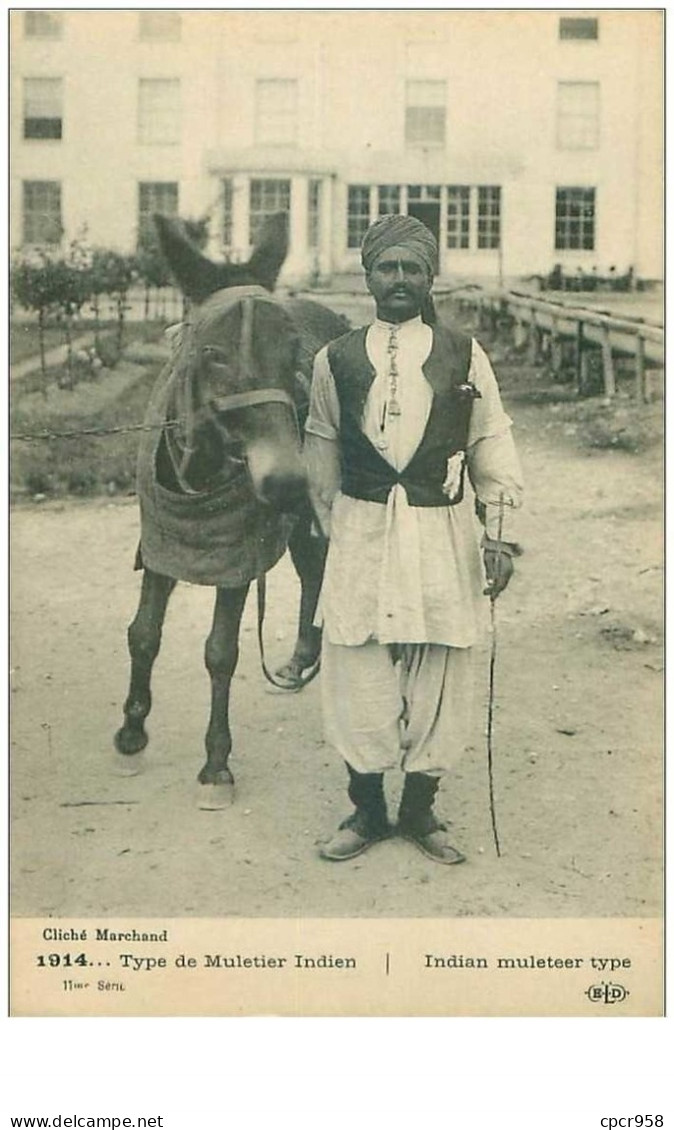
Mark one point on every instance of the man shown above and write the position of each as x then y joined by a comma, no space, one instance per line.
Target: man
399,411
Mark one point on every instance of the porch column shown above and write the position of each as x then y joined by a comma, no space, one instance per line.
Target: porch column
298,260
374,203
472,218
442,235
325,228
240,216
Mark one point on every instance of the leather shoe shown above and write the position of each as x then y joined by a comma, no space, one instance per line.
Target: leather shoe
434,843
354,836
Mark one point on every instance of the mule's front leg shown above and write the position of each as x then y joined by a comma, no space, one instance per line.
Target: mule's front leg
308,554
222,653
144,639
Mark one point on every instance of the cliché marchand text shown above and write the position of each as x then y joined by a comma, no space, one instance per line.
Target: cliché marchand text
102,934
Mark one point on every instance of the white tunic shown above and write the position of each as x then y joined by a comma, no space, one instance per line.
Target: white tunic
397,573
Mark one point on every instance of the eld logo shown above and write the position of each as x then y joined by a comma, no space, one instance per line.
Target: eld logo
606,993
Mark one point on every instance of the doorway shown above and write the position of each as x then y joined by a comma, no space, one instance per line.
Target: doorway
428,213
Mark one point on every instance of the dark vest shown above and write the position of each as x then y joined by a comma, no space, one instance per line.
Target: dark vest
365,473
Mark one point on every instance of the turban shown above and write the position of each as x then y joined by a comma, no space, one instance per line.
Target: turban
397,231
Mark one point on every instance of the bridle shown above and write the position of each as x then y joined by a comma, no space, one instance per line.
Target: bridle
250,397
214,409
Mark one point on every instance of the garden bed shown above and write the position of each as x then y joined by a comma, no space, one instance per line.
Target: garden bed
84,465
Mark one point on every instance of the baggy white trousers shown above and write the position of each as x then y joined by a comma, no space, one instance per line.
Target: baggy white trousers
389,706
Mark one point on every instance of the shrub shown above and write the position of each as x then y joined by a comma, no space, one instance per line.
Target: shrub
108,351
38,481
81,481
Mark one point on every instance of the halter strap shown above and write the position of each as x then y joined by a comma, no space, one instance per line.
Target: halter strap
253,396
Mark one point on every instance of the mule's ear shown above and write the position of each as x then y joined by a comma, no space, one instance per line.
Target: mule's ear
195,274
271,248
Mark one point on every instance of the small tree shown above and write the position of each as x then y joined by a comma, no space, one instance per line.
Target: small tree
35,282
115,274
51,282
105,277
73,288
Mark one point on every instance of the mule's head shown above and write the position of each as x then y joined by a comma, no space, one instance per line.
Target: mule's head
243,352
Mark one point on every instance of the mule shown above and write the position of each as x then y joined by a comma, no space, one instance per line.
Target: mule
221,482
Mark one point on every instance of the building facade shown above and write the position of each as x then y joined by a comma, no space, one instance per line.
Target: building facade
522,138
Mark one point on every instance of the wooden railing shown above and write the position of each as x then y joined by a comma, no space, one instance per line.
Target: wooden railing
558,330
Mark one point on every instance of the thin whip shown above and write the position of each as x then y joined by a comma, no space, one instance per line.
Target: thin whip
490,709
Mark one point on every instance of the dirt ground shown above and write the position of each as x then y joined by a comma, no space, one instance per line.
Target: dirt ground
578,728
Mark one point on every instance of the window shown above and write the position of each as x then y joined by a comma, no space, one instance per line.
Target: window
488,216
389,199
43,108
159,111
227,212
578,27
425,111
154,196
423,193
577,115
458,216
276,111
267,197
43,25
358,214
159,26
42,212
314,214
473,217
574,219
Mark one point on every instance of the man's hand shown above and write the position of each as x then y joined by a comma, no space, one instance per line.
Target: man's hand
498,564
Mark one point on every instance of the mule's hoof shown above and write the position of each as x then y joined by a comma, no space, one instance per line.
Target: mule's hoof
128,765
213,798
129,741
291,676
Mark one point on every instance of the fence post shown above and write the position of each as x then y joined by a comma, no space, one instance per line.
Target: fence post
640,358
579,355
534,338
607,362
556,349
519,332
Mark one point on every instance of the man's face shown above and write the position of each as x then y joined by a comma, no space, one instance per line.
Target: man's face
399,282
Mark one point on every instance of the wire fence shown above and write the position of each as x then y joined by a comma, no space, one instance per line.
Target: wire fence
77,433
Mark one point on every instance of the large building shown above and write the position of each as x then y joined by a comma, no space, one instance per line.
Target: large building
522,138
